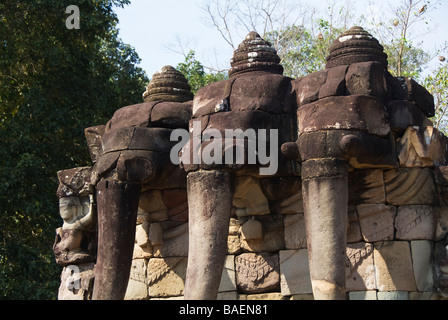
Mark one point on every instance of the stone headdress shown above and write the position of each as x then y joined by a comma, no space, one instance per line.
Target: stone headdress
168,84
353,46
255,54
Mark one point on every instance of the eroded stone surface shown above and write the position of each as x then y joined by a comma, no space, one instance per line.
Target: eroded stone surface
360,271
257,273
166,277
367,186
421,147
295,275
413,186
415,223
393,265
376,221
295,233
422,253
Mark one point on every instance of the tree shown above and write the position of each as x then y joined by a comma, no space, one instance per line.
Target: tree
303,46
301,39
195,73
302,51
54,82
400,32
234,19
437,85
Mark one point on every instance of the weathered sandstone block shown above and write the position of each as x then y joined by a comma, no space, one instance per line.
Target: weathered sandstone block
308,88
366,186
166,277
335,83
393,266
228,279
410,186
404,114
353,229
367,78
363,113
422,262
415,223
376,221
295,233
441,231
362,295
174,240
74,182
405,88
295,274
422,147
273,235
137,288
94,137
360,271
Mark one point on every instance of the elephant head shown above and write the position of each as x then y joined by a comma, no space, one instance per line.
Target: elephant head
343,125
135,157
236,131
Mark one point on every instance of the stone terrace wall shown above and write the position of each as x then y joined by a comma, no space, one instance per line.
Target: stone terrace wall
389,255
397,232
398,216
395,246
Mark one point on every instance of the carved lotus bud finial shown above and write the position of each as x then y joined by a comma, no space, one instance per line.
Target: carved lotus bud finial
353,46
168,84
255,54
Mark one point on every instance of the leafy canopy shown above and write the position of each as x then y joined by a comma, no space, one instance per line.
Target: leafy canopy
195,73
54,82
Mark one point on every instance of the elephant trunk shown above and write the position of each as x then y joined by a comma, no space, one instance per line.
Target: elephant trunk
210,195
325,197
117,217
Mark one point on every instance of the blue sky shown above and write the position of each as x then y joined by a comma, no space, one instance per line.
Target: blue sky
154,26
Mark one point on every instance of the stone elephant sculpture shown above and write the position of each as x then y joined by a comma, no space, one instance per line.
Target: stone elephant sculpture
343,124
134,160
349,117
237,129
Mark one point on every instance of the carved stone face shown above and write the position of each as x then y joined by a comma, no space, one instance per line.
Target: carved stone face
73,209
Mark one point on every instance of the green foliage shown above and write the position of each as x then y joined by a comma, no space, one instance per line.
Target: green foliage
301,52
297,50
410,62
437,84
54,82
195,73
